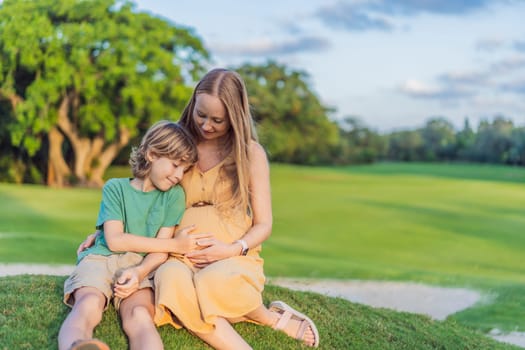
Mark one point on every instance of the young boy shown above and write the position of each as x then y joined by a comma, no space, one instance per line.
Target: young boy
138,212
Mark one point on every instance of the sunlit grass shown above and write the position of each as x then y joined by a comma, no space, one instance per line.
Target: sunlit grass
456,225
31,313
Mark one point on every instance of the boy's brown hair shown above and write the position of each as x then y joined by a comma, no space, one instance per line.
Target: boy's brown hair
163,139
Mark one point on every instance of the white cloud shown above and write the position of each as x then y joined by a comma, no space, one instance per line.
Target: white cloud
417,88
265,46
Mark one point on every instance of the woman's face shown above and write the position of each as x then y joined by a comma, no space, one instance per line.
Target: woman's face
210,117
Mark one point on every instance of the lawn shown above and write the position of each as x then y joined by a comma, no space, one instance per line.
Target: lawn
33,301
453,225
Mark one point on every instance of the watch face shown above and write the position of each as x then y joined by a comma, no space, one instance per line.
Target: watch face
244,245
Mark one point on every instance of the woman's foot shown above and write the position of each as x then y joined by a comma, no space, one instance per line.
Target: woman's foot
294,323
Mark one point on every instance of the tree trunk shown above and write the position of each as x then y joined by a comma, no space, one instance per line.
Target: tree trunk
80,146
57,169
97,144
107,156
87,171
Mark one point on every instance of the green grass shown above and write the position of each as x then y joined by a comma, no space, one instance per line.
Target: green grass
32,314
446,224
483,172
40,224
366,222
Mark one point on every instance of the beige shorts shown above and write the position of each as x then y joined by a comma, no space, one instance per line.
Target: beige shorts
100,272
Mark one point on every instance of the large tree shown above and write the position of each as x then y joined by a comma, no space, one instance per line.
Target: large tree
292,122
83,77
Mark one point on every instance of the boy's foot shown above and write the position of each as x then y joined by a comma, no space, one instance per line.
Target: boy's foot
306,330
89,344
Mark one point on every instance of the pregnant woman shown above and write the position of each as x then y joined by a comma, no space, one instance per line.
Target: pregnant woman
227,195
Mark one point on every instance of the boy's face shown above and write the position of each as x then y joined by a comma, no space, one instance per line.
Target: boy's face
166,173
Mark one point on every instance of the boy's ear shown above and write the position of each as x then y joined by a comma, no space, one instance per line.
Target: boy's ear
150,156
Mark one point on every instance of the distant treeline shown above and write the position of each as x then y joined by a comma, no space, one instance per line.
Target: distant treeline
496,141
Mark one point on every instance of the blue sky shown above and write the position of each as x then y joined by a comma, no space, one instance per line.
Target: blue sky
391,63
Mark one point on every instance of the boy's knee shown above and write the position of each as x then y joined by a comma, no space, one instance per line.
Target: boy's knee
135,317
92,302
88,309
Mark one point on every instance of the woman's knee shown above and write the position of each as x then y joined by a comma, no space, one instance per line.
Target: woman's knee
215,277
171,268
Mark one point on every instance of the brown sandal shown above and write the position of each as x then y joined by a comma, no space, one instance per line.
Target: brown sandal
287,313
89,344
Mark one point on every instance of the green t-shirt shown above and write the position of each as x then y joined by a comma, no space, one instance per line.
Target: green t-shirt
143,213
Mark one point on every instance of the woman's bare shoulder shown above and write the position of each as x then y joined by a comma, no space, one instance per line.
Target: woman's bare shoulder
258,158
256,150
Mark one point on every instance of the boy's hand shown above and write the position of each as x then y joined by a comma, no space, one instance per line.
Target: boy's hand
127,283
185,241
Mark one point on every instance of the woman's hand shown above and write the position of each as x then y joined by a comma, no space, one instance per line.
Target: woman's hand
127,283
214,250
88,242
185,241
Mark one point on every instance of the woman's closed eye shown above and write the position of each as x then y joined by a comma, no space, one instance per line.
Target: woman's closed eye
215,120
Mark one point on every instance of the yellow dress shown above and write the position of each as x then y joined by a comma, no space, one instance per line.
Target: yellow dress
229,288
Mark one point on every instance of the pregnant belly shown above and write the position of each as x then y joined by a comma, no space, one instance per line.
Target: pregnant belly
207,219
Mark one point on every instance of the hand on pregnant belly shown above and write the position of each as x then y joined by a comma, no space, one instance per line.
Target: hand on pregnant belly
211,251
187,241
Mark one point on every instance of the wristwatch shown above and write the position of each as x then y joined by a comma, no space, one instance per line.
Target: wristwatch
244,245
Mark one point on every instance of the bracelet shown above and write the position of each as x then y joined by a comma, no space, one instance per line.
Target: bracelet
244,245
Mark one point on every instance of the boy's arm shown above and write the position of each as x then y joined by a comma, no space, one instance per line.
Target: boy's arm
154,260
120,241
130,279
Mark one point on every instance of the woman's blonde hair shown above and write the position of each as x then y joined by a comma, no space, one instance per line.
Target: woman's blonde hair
163,139
229,87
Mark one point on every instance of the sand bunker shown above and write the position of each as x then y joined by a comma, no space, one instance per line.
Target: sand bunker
436,302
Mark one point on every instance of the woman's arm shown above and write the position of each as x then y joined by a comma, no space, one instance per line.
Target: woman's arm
261,201
88,242
261,205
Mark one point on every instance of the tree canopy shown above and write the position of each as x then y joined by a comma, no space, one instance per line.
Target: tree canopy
292,123
80,78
